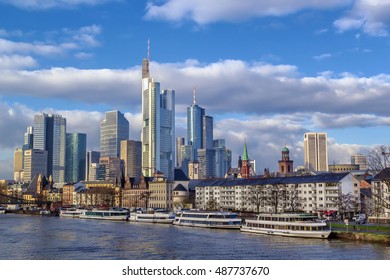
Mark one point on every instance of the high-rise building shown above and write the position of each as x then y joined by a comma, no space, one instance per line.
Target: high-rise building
18,165
50,135
112,167
158,130
222,158
76,148
361,160
35,162
97,172
113,129
186,155
131,155
195,115
167,133
28,138
206,159
207,132
316,151
180,141
92,157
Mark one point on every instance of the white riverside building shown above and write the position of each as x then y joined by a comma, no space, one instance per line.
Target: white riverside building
311,194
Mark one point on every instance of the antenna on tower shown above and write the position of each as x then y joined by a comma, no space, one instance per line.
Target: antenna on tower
148,49
194,95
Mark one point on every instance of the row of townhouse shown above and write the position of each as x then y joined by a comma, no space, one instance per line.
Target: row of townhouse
328,192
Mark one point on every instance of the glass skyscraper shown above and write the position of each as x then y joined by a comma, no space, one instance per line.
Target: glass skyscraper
76,148
92,157
50,135
158,126
113,129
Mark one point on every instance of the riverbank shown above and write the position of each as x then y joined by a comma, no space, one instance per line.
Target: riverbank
362,236
368,232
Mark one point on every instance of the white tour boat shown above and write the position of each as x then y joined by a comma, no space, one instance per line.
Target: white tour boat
294,225
113,214
221,220
71,212
2,210
152,217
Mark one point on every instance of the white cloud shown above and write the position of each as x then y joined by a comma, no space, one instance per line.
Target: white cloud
205,11
371,16
48,4
16,62
67,40
225,86
322,56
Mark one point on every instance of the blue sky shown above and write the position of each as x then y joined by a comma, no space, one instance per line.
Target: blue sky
267,71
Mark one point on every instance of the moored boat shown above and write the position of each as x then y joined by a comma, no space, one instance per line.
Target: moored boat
287,224
71,212
220,220
2,210
152,217
112,214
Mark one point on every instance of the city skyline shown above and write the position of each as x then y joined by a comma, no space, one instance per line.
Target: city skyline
252,72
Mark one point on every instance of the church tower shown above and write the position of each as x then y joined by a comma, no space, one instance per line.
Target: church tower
285,165
245,167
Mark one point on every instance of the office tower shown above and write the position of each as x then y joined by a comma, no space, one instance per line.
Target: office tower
50,136
18,165
187,156
35,162
361,160
193,170
112,167
76,148
158,130
167,133
97,172
222,158
91,157
195,115
113,129
28,138
131,155
206,163
316,151
207,132
180,141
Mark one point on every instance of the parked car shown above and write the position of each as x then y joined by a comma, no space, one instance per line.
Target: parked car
359,218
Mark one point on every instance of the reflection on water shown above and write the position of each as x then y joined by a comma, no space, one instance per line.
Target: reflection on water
32,237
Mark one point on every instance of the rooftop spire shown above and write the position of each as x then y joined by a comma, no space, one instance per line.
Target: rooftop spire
148,49
245,153
194,102
145,64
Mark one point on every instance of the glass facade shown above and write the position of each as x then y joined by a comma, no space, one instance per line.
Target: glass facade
76,147
50,135
113,129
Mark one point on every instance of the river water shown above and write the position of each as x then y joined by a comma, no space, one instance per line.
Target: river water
34,237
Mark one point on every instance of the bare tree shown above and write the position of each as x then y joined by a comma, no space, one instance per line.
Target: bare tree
379,165
347,204
257,196
276,197
212,204
293,199
146,195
